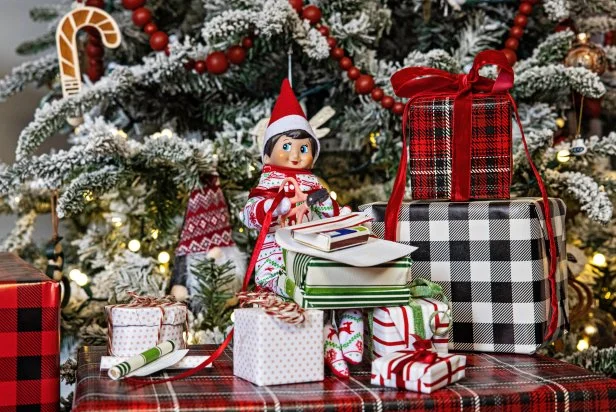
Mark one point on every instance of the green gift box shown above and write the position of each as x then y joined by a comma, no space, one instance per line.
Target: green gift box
325,284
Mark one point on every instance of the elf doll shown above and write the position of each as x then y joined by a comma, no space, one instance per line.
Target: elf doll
290,149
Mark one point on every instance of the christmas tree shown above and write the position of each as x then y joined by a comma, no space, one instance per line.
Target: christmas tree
180,101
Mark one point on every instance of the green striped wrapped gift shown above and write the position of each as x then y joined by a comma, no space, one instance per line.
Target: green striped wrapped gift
325,284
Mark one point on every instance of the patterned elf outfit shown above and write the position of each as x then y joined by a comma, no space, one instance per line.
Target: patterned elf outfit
269,270
344,344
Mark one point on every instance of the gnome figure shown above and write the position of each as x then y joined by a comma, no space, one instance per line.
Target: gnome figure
290,149
206,234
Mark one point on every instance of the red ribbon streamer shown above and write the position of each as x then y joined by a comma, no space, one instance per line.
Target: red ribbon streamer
414,82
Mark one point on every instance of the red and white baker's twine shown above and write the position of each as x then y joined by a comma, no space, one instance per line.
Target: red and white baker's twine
143,302
289,312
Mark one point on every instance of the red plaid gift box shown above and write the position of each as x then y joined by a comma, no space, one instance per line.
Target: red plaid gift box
493,383
29,337
458,129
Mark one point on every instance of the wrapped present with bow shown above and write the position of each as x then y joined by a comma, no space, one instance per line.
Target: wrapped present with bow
420,369
457,130
427,315
143,323
276,342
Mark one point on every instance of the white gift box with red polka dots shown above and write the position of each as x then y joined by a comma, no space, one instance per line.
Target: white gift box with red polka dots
136,329
269,351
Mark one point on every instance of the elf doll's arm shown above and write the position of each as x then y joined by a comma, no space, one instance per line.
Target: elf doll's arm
256,208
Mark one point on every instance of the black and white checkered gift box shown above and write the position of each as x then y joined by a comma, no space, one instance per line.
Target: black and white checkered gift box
492,259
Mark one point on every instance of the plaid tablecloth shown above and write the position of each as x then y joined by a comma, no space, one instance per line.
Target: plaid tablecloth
493,383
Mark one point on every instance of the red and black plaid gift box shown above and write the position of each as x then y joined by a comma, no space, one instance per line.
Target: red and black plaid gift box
493,383
29,338
458,129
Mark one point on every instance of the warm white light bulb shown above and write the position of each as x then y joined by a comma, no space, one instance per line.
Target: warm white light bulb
134,245
590,329
599,259
154,233
78,277
164,257
563,156
582,344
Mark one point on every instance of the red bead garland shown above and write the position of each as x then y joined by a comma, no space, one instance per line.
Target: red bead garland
218,62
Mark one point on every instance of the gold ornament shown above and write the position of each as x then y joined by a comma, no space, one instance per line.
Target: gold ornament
586,54
560,122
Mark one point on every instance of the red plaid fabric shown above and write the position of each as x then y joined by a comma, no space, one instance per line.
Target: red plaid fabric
493,383
29,338
430,131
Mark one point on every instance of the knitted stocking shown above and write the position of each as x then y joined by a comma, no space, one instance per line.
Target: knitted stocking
333,352
351,335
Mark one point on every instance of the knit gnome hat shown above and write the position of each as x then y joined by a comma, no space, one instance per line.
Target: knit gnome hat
287,115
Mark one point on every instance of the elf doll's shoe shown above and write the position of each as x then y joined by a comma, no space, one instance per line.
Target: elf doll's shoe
351,335
333,352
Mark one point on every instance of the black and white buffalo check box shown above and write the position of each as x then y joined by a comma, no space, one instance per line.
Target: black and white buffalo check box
492,259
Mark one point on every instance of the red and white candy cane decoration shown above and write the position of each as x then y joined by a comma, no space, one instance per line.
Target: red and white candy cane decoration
289,312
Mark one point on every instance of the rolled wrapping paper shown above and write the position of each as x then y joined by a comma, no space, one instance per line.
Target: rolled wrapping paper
138,361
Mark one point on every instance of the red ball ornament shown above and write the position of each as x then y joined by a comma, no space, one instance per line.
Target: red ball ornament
297,5
150,28
345,63
324,30
337,53
217,63
387,102
236,54
311,13
247,42
353,73
398,108
142,16
526,8
512,43
520,20
511,56
132,4
94,51
96,3
200,66
331,42
364,84
377,94
516,31
159,41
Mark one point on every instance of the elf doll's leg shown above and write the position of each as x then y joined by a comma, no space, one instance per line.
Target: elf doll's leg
351,335
269,266
332,351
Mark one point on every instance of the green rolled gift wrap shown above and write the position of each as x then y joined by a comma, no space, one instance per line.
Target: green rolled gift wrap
138,361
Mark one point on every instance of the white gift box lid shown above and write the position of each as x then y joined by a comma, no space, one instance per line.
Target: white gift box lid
174,314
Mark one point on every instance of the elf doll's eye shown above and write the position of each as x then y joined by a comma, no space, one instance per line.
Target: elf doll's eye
286,147
304,149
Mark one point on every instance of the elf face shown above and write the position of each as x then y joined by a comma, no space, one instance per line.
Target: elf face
293,153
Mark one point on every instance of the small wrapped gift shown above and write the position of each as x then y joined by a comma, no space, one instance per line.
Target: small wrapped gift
421,371
278,343
144,323
319,283
427,317
30,337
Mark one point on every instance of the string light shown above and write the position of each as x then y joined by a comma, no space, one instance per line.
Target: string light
599,260
163,269
241,230
116,221
166,133
164,257
563,156
590,329
582,344
78,277
134,245
154,233
560,122
88,196
17,199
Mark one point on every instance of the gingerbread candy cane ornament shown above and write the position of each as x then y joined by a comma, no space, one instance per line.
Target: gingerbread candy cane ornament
66,40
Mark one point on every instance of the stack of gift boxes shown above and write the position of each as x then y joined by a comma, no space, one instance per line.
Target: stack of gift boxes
489,271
